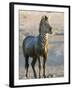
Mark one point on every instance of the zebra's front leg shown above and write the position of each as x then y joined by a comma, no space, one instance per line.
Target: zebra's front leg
33,66
39,67
44,62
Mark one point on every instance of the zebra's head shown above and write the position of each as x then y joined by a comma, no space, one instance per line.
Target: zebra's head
45,26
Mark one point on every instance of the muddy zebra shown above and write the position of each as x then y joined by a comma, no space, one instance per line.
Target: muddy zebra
37,46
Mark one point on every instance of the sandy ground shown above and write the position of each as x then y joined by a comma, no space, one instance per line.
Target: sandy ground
55,69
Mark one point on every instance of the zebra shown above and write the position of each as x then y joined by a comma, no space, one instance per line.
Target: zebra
37,47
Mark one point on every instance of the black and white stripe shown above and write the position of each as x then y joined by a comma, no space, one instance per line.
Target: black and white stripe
43,40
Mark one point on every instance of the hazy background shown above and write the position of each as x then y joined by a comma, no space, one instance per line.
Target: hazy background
29,25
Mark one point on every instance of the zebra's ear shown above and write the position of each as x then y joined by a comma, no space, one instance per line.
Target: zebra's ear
46,18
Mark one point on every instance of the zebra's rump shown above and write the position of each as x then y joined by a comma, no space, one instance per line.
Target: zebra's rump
29,45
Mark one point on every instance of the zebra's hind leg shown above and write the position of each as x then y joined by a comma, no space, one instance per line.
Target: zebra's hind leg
33,66
26,65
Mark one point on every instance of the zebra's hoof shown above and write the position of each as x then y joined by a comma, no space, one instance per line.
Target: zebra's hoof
26,76
39,76
44,76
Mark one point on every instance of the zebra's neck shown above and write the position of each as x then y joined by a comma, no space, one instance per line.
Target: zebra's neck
43,39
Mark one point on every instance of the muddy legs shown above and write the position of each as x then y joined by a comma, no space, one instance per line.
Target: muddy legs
26,65
33,66
39,67
44,62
